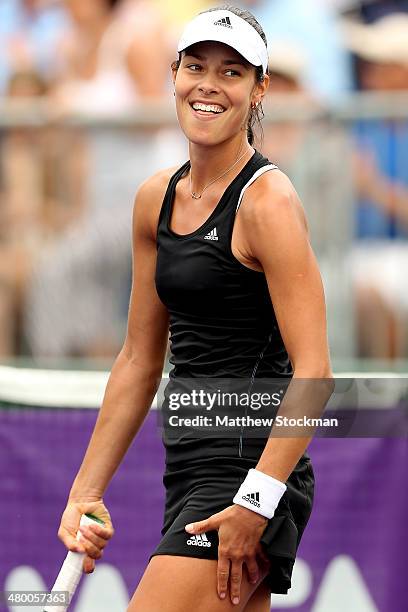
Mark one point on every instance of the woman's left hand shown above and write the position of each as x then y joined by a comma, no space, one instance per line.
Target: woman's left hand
239,532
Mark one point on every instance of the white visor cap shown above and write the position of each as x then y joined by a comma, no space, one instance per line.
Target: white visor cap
226,27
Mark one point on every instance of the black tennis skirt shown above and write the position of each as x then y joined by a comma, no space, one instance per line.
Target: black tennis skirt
201,487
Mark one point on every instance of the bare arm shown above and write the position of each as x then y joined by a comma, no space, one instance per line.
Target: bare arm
136,373
278,241
131,387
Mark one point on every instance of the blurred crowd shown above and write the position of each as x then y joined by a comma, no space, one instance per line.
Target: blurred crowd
67,189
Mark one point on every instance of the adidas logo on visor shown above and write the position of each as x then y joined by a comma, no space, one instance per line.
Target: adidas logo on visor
252,498
199,540
225,22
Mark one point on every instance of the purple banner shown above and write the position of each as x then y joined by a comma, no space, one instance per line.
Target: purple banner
353,555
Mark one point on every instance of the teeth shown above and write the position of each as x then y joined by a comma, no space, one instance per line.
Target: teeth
208,108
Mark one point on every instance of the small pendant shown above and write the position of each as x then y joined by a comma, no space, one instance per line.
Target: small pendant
195,195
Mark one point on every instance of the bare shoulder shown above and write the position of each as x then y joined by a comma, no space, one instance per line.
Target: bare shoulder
154,187
149,199
271,200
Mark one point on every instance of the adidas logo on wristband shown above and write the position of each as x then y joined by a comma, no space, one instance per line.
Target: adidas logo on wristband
272,491
199,540
252,498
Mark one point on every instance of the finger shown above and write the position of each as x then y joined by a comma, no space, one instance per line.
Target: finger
261,554
200,526
88,565
223,571
90,548
103,532
70,541
235,580
212,522
253,570
91,536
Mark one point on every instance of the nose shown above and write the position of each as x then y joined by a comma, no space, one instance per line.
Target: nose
207,89
208,84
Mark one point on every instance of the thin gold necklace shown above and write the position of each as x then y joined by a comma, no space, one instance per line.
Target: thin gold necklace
196,195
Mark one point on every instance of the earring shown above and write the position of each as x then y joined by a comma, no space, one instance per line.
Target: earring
254,105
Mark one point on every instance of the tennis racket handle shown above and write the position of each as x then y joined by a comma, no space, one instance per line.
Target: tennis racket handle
71,570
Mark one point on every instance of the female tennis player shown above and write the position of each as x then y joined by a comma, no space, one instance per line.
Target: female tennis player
222,258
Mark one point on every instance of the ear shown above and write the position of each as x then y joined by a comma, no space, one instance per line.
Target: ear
174,67
260,89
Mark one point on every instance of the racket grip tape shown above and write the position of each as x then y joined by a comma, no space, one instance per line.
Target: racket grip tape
71,570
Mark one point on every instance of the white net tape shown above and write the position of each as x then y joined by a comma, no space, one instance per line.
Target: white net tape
85,389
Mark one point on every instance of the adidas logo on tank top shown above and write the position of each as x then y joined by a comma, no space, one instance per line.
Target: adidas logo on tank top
199,540
212,235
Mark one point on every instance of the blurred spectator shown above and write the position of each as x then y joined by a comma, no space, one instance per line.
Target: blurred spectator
32,209
375,9
308,152
380,260
116,53
312,25
368,10
29,35
178,12
287,65
282,140
116,58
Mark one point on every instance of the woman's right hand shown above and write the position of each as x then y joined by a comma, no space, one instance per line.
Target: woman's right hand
93,537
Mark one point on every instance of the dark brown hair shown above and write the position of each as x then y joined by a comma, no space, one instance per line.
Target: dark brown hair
255,114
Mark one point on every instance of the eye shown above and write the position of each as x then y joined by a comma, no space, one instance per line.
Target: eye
231,72
194,67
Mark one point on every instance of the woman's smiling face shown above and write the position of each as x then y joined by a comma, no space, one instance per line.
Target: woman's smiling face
214,88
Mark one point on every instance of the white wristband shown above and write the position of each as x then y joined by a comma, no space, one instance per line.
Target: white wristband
260,493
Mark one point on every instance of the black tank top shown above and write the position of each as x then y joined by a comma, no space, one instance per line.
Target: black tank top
222,322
